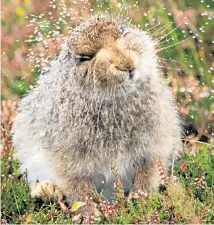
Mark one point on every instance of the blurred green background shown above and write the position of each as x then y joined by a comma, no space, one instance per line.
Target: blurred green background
32,32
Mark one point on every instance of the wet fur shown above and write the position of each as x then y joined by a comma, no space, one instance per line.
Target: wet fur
78,120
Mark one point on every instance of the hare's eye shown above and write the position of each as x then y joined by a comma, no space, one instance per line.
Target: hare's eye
121,29
83,58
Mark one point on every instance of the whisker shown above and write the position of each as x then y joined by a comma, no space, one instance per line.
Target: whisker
171,60
159,31
173,44
169,68
171,31
123,6
167,40
153,27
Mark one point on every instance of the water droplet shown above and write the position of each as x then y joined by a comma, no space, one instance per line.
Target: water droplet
189,90
182,89
119,5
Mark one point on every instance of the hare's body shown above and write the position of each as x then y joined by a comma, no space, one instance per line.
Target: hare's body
70,130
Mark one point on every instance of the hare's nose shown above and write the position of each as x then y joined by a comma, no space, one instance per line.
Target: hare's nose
129,69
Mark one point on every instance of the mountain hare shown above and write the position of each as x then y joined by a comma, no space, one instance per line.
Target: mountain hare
101,102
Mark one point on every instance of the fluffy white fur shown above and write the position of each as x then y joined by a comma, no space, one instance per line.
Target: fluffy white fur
51,132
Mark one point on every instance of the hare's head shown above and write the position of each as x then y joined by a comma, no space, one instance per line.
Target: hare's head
107,52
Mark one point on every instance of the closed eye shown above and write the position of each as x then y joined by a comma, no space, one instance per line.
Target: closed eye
83,58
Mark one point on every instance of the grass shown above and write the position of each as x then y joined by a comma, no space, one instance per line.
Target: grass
186,197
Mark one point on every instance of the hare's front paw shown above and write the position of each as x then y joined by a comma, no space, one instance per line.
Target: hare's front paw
48,189
45,189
